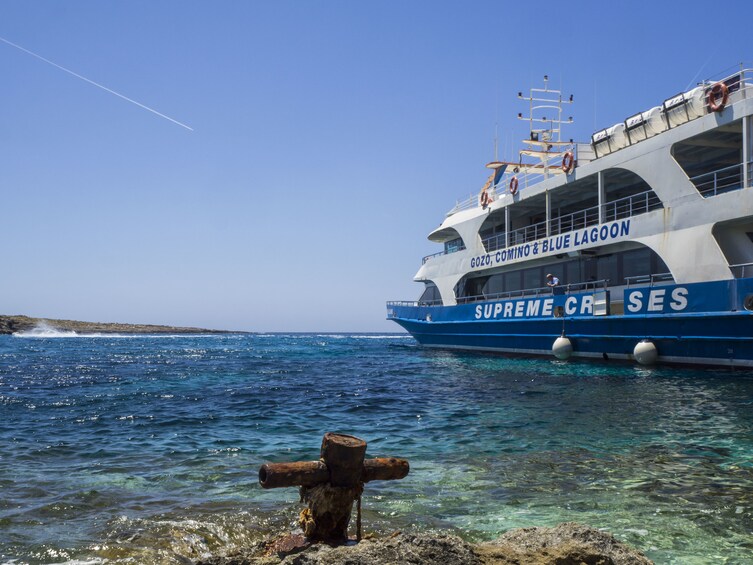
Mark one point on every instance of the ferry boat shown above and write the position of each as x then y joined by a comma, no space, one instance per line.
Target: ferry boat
646,231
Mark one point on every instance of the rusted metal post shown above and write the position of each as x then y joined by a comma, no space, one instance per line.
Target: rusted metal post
331,485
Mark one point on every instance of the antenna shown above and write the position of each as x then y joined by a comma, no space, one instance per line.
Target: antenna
545,121
496,142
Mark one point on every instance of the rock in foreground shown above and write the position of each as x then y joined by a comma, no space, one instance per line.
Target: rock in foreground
565,544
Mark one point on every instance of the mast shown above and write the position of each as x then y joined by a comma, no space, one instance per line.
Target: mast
545,122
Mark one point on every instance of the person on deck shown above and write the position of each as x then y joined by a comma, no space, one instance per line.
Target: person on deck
551,280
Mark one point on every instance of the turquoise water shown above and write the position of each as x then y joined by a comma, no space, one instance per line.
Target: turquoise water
147,449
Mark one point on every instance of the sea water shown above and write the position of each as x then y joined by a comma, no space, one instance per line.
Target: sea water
146,449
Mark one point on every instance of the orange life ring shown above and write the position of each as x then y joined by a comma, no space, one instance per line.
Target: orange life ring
514,185
485,199
568,162
719,89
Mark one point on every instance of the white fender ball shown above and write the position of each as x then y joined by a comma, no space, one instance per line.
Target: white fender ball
645,352
562,348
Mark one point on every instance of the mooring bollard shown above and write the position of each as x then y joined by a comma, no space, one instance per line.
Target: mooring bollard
329,486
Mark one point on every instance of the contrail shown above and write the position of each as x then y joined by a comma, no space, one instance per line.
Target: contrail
698,73
153,111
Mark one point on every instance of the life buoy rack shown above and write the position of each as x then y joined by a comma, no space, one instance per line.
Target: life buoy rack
485,199
568,162
712,100
514,186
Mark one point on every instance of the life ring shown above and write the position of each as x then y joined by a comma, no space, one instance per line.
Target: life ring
719,89
514,186
568,162
485,199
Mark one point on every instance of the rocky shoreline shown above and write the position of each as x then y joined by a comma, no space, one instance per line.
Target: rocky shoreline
15,324
566,544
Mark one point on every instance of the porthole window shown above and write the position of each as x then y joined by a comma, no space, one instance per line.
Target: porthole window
748,303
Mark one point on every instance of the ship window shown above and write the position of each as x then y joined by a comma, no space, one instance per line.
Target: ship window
512,281
532,278
454,245
495,285
431,295
607,268
641,262
636,263
572,272
748,304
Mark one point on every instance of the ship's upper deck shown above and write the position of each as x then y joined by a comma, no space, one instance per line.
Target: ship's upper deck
553,171
667,180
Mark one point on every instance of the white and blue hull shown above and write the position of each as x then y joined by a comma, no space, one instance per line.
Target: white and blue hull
702,323
649,229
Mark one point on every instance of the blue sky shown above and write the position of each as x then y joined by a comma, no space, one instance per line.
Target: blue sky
329,138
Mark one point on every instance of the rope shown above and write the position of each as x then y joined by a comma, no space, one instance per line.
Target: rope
358,519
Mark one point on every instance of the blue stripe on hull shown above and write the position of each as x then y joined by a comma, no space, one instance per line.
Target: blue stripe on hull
724,339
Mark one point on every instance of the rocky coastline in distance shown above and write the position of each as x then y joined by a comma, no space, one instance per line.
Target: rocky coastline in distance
16,324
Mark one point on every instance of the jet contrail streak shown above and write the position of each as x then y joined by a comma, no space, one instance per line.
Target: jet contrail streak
96,84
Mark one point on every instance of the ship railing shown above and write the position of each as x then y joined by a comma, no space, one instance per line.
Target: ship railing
601,284
528,233
631,206
576,220
719,181
742,270
453,249
539,291
617,209
649,280
425,259
414,303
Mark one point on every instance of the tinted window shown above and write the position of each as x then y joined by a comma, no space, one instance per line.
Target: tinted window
607,268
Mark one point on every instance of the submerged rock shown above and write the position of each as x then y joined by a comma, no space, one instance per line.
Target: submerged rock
565,544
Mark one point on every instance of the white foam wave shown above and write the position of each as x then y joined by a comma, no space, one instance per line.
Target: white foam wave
45,331
365,336
34,333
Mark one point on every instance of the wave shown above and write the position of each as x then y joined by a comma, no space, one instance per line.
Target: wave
366,336
46,331
54,334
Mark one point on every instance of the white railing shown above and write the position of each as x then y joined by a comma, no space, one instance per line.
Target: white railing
719,181
616,209
631,206
576,220
602,284
650,280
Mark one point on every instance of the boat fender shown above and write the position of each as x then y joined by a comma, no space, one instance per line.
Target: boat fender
514,186
645,352
562,348
568,162
486,199
719,89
